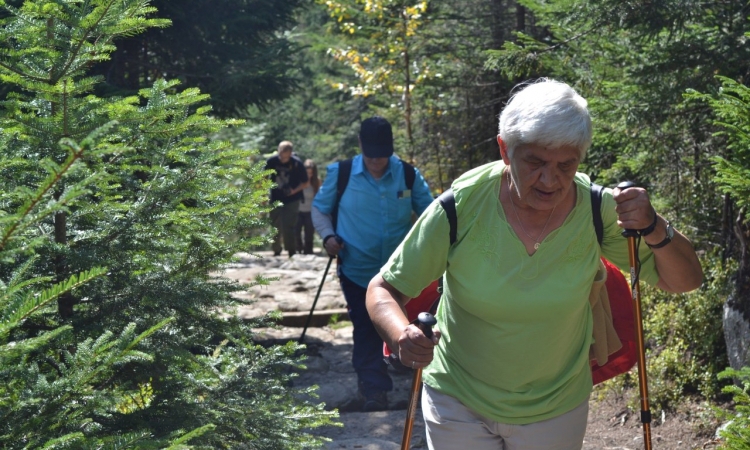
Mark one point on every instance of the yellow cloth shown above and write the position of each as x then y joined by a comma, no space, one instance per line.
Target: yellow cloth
606,340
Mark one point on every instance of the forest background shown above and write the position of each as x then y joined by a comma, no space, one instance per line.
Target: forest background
123,188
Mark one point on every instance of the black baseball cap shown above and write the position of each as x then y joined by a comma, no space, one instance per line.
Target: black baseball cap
376,137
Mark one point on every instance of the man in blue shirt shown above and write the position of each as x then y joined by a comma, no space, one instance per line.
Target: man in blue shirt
374,215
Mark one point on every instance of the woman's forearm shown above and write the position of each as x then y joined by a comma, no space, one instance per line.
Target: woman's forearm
386,308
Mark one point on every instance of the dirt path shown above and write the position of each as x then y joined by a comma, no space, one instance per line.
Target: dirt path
611,425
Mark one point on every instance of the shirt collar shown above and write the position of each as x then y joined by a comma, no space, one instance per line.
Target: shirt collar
358,166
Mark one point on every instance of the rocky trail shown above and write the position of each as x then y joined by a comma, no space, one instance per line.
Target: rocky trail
612,426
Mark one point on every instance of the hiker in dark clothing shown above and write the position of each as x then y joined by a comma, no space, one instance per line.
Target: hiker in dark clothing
290,177
509,365
374,215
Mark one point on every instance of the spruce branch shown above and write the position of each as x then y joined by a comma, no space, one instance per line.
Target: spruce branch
72,56
52,180
17,310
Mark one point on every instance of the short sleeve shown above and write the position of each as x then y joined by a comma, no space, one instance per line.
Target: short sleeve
422,256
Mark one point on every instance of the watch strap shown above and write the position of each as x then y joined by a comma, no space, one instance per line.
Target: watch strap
649,229
667,239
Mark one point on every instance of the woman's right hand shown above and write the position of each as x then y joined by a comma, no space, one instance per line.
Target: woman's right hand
385,304
416,350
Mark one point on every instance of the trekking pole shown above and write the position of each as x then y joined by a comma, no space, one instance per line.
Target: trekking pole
309,316
635,291
425,322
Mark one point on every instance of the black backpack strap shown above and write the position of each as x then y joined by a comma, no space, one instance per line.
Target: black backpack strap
448,202
409,174
596,211
345,170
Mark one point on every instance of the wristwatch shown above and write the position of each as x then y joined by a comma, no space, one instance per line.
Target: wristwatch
667,239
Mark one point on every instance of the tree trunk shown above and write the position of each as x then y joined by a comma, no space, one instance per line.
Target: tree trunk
520,18
736,318
66,301
407,88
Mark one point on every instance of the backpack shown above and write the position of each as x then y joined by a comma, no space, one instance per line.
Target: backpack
618,290
342,180
621,304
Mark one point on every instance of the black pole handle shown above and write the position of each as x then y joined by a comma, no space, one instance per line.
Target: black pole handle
622,186
340,242
425,322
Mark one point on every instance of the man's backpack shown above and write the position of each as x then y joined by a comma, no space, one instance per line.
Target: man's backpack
342,180
618,290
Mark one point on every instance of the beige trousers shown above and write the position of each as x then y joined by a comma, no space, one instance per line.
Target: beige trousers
450,426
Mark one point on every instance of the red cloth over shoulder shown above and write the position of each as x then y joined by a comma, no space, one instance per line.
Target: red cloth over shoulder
623,318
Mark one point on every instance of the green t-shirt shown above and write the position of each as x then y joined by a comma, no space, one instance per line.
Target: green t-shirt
516,329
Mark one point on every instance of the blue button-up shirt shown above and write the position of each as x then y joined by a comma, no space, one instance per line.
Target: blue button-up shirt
374,216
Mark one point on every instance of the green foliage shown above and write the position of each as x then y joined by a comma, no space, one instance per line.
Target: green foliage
453,110
321,121
686,338
633,61
732,108
52,385
517,59
138,185
731,105
736,435
685,347
238,51
317,118
69,397
381,45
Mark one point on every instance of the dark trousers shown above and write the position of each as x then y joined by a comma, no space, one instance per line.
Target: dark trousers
367,356
284,218
304,223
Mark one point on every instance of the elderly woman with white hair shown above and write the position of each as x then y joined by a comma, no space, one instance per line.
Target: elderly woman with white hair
508,367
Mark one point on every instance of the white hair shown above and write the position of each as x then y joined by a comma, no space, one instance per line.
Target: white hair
547,113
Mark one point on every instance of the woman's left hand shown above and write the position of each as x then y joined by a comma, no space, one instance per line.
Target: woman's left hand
634,210
676,261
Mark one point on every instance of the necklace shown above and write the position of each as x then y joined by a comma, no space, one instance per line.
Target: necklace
536,241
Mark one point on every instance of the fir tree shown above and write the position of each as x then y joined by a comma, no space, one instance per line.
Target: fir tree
140,354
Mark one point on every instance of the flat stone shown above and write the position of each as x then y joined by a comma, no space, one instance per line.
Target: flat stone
319,318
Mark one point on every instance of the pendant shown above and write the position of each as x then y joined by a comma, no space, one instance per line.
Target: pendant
536,246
